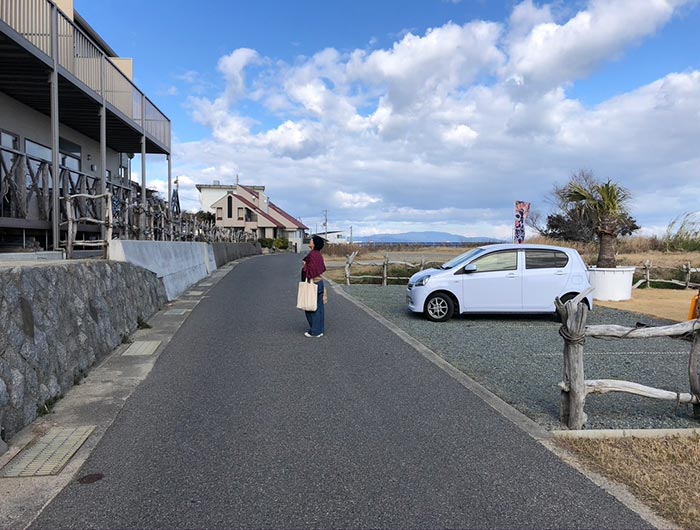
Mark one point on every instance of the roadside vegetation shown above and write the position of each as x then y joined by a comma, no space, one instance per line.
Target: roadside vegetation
661,472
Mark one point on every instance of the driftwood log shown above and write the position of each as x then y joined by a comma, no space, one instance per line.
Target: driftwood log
573,315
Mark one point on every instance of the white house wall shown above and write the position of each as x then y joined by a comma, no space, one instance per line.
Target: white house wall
28,124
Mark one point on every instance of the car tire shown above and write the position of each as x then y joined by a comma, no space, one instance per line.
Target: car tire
439,307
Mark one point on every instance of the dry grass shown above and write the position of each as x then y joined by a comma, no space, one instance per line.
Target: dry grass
660,472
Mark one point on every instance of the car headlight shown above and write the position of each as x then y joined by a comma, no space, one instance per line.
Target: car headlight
423,280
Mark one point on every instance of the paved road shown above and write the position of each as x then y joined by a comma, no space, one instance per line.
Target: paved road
244,423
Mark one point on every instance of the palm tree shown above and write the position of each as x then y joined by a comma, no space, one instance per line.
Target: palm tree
606,204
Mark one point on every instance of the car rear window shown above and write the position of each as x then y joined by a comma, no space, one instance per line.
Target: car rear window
545,259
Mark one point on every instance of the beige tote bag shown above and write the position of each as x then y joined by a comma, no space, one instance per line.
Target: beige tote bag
307,296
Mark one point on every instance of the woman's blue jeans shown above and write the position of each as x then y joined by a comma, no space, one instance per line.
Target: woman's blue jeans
316,318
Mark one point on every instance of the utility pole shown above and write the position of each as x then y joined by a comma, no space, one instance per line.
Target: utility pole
325,223
351,234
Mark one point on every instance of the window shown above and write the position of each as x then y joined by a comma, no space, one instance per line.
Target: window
498,261
241,214
230,207
219,214
545,259
9,140
69,148
37,150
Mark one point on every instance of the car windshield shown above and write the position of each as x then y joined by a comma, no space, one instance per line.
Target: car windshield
462,258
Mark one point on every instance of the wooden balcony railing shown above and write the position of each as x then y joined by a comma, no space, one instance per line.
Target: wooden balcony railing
80,56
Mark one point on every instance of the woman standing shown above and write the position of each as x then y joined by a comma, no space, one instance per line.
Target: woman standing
314,267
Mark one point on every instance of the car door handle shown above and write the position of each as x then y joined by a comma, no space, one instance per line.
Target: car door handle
560,273
511,275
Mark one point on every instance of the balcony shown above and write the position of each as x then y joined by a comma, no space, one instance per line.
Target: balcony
87,77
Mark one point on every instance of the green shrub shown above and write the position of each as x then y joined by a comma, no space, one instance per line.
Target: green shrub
281,243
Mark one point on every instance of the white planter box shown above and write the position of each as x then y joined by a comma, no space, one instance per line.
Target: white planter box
611,284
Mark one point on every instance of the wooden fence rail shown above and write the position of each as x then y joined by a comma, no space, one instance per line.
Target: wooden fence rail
575,388
385,268
686,269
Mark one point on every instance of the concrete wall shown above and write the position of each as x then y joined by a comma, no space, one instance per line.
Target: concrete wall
178,264
56,321
225,252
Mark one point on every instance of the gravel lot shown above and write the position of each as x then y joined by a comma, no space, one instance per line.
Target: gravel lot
519,358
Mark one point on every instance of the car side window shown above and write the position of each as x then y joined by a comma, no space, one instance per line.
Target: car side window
497,261
545,259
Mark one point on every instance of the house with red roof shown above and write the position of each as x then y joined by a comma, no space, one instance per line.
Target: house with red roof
248,209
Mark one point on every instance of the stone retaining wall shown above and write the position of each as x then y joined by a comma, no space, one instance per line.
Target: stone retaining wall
56,321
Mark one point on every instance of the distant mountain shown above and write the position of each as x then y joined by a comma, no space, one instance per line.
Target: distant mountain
423,237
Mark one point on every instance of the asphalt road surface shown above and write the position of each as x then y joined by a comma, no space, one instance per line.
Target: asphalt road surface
246,423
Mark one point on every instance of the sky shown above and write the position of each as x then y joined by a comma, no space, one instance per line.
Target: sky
420,115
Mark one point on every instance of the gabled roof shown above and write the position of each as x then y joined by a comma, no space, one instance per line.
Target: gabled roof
253,192
259,211
288,217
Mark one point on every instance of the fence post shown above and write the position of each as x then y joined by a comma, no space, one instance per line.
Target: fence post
686,268
385,270
69,232
348,265
573,316
109,219
422,264
694,371
647,273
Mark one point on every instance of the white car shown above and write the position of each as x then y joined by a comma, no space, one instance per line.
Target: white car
504,278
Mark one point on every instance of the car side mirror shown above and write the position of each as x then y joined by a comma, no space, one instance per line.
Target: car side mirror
468,269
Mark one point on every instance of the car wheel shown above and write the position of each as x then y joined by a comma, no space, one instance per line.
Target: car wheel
439,307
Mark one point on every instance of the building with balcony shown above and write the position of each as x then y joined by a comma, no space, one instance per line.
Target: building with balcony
71,121
248,209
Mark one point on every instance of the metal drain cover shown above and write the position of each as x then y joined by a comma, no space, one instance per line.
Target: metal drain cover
142,347
49,454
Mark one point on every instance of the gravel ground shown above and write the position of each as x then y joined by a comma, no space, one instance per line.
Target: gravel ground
519,358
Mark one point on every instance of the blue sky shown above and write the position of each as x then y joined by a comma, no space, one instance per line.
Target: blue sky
421,115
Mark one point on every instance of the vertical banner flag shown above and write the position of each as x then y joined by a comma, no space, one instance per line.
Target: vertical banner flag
521,211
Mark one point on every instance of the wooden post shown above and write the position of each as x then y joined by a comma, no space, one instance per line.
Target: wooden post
348,265
647,273
694,371
109,221
385,270
573,315
422,264
69,233
686,268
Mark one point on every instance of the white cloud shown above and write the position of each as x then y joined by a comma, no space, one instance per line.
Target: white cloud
551,54
233,66
433,133
354,200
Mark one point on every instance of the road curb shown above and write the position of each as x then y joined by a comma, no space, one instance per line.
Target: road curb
600,434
